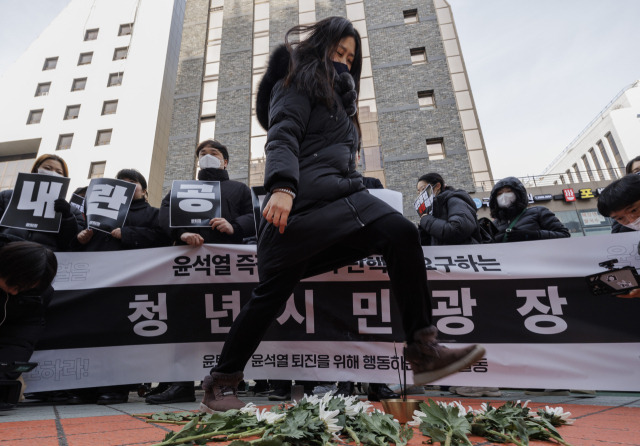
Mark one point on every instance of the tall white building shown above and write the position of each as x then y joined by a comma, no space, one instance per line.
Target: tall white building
602,149
95,88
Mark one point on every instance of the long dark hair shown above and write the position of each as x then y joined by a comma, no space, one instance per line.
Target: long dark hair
310,66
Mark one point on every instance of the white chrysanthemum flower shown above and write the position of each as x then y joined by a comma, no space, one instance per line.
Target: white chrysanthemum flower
482,410
417,418
462,412
525,403
328,417
313,399
558,412
355,409
269,417
249,408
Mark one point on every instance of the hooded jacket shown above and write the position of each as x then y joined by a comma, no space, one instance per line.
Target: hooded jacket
453,222
535,223
55,241
236,208
311,149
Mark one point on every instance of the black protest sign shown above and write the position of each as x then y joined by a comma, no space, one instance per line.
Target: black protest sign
31,205
107,203
77,202
194,203
258,193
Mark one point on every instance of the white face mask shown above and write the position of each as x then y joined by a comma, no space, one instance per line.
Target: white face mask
635,225
53,173
209,162
506,199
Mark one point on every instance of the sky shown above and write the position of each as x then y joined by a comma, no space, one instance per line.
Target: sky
540,70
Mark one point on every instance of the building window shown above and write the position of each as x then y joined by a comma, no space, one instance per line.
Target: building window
115,79
410,16
97,169
120,53
35,116
50,63
435,148
43,89
85,58
64,141
418,56
109,107
103,137
79,84
426,100
91,34
72,112
125,29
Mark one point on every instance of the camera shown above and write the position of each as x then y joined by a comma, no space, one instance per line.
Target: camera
613,280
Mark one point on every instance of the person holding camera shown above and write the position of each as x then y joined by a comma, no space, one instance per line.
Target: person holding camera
620,201
26,272
514,221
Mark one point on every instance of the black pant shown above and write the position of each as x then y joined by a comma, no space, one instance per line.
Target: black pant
393,236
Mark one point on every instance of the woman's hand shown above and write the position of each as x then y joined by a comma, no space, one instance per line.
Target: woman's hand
85,236
191,238
222,225
277,209
630,294
117,233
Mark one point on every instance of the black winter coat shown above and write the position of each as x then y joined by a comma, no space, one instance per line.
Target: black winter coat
536,223
454,220
311,148
236,208
60,241
141,229
617,228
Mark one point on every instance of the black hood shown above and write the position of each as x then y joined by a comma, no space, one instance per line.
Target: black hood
277,69
522,201
449,192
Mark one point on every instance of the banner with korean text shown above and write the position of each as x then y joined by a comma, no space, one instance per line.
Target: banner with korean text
163,314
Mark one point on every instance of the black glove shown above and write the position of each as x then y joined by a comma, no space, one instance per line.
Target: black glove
522,235
61,205
346,88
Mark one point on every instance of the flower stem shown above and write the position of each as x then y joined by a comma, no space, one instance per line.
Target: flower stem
559,440
250,433
352,434
505,437
447,442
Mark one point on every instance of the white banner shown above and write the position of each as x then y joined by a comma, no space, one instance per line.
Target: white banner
162,315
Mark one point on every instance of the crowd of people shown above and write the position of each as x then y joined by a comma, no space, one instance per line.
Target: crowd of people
307,103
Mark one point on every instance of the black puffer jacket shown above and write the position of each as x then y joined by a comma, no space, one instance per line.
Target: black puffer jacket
617,228
141,229
454,220
311,148
536,223
236,208
60,241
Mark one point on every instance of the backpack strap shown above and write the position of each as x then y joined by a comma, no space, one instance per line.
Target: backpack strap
513,223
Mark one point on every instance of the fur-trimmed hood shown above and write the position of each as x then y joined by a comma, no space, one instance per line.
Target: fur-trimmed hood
277,69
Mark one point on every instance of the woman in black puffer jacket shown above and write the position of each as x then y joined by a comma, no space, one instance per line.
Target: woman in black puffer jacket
453,220
318,214
508,202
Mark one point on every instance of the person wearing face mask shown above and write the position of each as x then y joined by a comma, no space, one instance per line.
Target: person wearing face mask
26,272
453,219
514,221
318,215
632,168
72,221
235,224
620,201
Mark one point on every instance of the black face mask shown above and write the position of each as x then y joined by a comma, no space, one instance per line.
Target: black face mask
340,68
